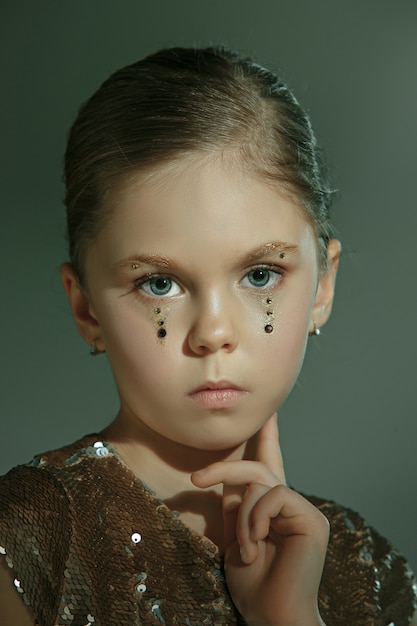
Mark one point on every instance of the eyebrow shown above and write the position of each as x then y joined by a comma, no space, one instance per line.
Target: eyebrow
266,249
145,259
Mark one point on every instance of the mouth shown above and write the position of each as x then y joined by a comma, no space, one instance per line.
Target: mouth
214,386
217,395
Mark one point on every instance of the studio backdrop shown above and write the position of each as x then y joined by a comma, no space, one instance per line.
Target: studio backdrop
349,429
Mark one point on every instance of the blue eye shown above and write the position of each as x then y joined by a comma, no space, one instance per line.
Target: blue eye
259,277
159,286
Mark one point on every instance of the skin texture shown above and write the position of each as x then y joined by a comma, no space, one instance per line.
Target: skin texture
213,234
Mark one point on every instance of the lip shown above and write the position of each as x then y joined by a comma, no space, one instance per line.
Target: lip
217,395
215,385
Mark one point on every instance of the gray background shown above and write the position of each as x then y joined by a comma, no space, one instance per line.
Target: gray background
349,428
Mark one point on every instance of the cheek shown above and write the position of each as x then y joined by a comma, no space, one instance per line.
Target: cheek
288,341
286,346
130,339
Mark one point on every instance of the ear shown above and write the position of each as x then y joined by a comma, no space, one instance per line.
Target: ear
325,290
82,308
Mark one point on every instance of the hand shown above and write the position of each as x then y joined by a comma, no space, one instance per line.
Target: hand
274,539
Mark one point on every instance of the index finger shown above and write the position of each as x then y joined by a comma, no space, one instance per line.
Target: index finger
268,450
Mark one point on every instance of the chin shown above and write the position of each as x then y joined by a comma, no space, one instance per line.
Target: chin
220,441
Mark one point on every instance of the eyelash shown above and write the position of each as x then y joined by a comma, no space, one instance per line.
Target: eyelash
272,269
145,283
142,283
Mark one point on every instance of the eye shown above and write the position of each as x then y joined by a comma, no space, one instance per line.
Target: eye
261,277
159,286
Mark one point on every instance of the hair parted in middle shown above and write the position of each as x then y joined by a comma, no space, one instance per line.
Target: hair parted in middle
183,101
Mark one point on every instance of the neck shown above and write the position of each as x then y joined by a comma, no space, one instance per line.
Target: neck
166,467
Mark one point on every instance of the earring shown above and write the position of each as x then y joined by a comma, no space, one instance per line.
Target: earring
162,331
94,351
268,328
315,332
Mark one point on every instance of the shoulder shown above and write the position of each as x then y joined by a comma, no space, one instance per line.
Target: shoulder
363,569
36,526
38,485
29,497
38,488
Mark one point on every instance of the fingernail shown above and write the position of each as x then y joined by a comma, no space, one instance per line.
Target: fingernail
199,472
243,554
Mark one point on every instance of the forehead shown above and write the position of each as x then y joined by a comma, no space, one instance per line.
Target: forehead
197,206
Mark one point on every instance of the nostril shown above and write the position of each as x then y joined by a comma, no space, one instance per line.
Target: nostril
207,345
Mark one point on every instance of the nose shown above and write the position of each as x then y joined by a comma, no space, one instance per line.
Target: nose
215,326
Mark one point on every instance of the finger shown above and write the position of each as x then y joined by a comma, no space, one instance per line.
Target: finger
248,545
235,476
287,513
234,473
268,450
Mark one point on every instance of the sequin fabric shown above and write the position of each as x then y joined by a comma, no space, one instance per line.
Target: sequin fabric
90,544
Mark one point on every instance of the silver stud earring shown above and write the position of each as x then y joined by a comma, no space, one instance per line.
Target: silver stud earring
315,332
94,351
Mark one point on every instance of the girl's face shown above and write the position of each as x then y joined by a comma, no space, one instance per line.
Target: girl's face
195,263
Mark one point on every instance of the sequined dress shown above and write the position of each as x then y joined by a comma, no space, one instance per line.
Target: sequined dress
90,544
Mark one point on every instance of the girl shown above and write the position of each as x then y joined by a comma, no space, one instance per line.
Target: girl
202,258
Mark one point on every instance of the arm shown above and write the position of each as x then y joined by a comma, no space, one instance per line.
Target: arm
13,611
